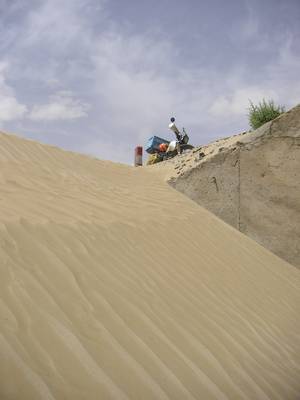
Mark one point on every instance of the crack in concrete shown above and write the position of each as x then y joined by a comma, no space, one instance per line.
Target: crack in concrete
214,180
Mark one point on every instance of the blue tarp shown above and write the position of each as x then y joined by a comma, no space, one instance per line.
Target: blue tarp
153,143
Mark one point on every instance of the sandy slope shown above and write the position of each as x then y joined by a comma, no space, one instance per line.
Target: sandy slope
115,286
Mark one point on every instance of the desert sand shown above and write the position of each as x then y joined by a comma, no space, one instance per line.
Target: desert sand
250,181
116,286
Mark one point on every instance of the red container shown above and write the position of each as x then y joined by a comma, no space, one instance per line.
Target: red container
138,156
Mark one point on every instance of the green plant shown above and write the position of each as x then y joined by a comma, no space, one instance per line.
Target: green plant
263,112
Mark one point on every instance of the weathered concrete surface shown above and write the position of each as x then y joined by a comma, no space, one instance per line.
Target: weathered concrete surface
251,181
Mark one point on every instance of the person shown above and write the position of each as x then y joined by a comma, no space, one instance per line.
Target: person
174,128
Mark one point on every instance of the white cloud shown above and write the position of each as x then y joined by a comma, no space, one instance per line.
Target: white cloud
250,27
10,108
284,74
237,103
127,85
136,81
62,106
140,85
54,22
110,150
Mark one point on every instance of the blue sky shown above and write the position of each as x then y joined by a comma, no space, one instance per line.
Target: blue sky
101,76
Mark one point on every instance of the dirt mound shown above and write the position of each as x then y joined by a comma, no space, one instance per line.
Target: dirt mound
251,181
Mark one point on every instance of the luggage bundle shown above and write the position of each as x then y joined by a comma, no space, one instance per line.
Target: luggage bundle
153,143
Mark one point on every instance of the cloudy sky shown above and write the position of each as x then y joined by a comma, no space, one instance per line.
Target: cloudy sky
101,76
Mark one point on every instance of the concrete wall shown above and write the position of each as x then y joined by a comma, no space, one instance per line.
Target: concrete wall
255,186
270,196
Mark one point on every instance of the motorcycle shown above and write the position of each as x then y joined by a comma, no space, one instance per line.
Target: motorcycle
161,149
180,145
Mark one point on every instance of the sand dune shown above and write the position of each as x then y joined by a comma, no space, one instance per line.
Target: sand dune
116,286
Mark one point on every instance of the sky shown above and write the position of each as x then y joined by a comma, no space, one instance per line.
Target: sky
100,77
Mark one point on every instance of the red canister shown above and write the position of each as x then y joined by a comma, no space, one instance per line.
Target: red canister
138,156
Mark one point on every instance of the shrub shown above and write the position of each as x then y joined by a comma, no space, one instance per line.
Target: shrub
263,112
